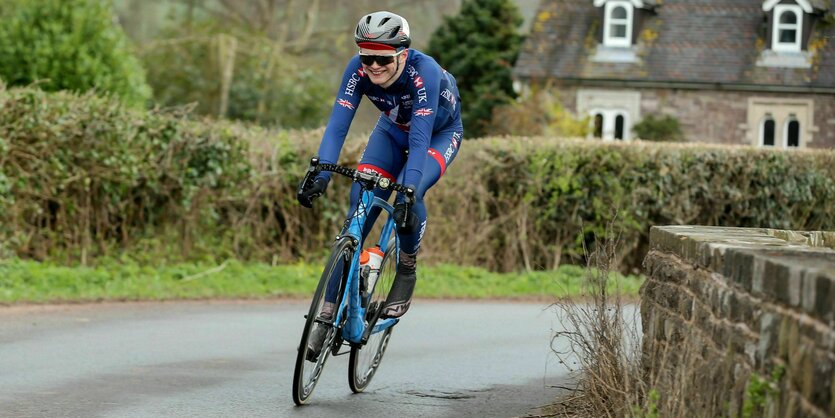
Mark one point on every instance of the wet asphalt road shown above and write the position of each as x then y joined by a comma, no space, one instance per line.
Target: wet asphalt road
228,359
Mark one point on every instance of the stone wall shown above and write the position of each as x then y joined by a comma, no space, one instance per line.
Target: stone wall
720,116
741,322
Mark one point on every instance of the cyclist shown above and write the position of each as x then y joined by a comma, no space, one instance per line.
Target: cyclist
416,137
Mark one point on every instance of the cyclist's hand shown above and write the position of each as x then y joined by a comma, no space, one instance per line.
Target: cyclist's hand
405,218
316,188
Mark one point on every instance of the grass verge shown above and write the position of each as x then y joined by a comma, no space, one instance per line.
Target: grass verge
23,281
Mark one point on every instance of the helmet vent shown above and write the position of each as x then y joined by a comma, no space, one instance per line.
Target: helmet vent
383,28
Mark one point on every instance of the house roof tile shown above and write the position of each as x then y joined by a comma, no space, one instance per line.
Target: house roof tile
702,41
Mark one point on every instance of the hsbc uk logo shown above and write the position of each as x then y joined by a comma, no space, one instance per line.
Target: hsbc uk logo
351,85
418,81
447,94
423,112
345,103
456,139
448,153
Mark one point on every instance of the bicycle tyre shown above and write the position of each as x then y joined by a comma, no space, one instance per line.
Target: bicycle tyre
365,360
303,384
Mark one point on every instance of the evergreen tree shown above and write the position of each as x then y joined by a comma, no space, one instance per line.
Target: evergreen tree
69,45
479,47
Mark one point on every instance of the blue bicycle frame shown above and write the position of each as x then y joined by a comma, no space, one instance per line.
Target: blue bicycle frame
355,327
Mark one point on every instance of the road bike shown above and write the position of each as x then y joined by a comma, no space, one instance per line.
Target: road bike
360,293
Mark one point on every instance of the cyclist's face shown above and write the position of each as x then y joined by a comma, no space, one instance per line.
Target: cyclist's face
379,73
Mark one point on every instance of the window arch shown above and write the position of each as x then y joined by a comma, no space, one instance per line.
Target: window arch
620,122
792,132
788,25
617,29
767,131
609,124
598,125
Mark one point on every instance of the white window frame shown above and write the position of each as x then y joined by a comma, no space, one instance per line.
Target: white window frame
608,39
609,103
608,128
790,119
779,10
782,110
765,119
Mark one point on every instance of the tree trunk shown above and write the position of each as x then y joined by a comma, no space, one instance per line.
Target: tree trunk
226,48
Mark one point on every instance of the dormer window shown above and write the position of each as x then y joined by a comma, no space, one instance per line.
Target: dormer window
617,31
788,26
621,22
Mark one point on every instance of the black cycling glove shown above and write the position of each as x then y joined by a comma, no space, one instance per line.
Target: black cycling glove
316,188
405,218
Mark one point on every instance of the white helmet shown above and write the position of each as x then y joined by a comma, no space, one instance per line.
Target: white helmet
382,28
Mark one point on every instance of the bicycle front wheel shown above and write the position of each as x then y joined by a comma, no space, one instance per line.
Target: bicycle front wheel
309,365
364,360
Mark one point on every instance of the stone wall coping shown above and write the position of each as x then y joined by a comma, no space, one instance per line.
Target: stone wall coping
784,271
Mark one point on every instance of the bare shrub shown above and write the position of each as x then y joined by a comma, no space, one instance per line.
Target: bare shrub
600,343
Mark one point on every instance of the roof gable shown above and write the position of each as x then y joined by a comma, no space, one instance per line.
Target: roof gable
804,4
636,3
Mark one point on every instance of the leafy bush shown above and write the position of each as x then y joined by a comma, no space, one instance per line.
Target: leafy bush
665,128
69,45
538,113
86,177
86,171
479,47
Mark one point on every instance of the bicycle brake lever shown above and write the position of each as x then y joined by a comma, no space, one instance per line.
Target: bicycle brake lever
410,195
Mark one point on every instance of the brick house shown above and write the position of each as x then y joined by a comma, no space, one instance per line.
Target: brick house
731,71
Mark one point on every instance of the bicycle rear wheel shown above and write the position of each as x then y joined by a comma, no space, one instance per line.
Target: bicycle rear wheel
365,360
307,372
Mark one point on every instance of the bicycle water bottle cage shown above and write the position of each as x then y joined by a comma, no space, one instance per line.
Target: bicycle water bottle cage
364,270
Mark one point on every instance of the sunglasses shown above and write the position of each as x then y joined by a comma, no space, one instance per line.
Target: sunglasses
380,59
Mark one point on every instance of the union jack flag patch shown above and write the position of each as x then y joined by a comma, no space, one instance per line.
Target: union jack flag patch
423,111
345,103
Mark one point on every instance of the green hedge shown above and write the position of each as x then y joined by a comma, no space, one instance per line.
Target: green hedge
82,177
81,173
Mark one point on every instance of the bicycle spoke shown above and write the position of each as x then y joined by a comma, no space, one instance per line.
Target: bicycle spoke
365,360
307,373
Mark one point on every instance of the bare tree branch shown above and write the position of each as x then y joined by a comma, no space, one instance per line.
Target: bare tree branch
232,10
283,35
311,17
272,12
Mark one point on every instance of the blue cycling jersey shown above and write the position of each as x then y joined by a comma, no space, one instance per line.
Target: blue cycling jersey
422,101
